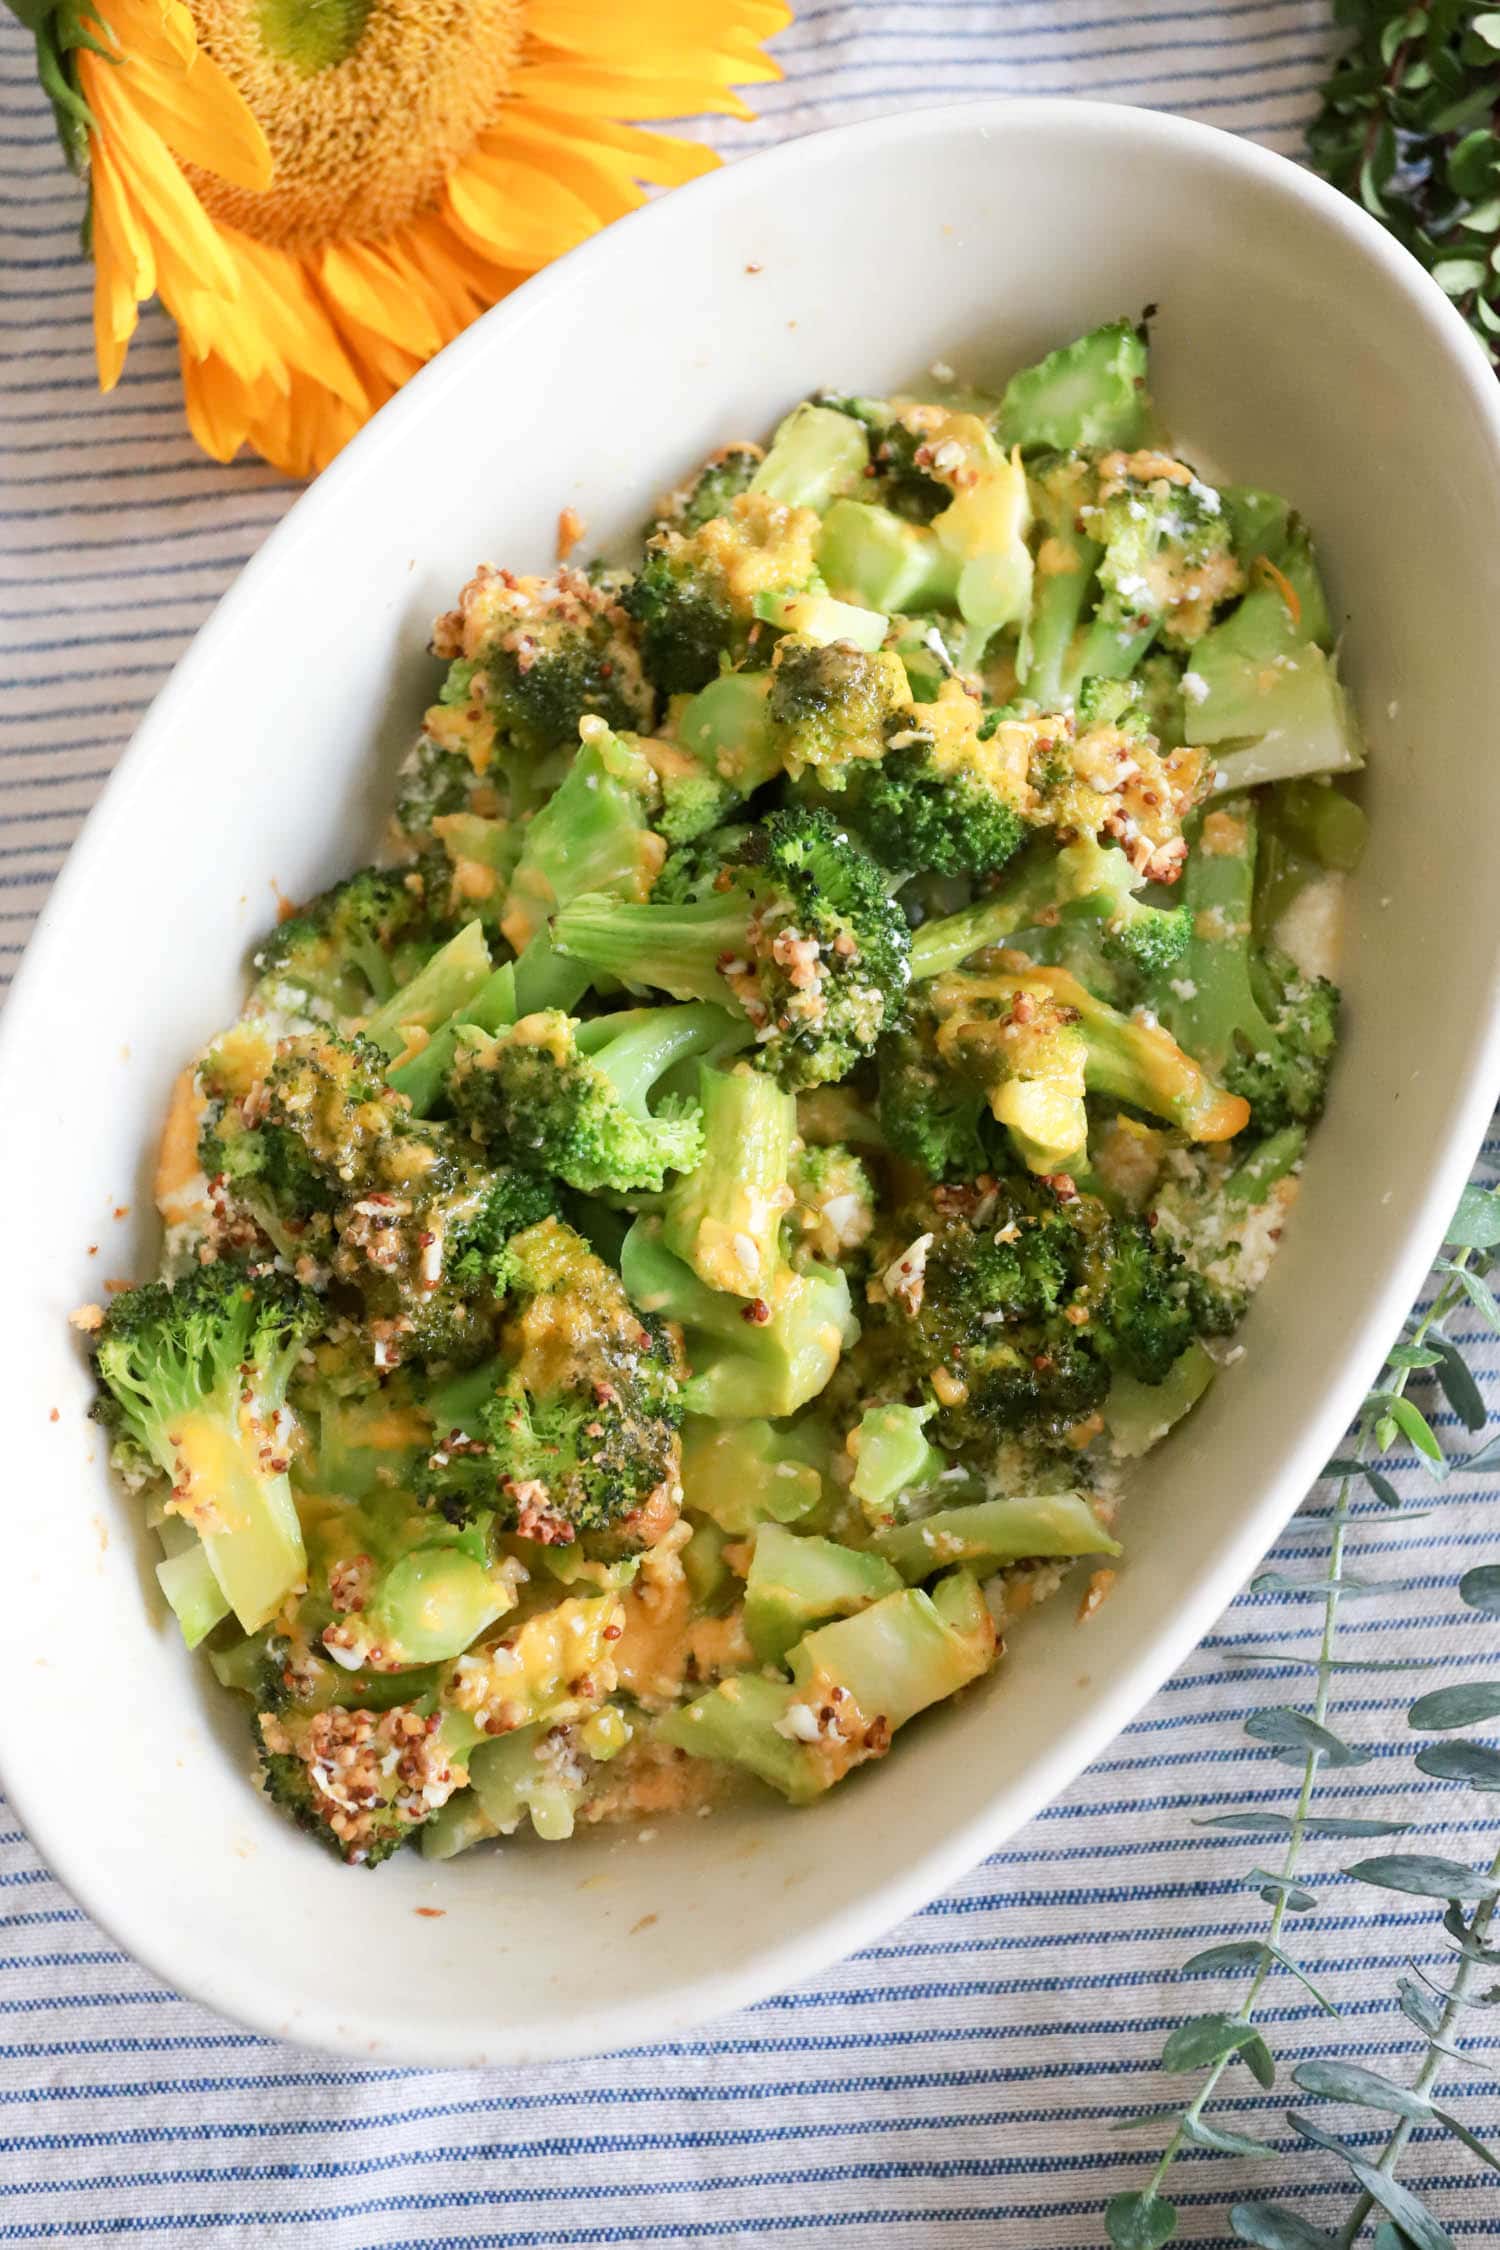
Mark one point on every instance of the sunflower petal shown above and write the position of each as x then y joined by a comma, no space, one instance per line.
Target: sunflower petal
606,92
511,210
203,119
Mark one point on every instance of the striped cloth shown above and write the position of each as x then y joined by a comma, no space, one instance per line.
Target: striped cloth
956,2084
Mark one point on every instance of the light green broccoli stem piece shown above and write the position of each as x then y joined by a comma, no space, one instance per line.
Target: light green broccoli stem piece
456,1826
420,1078
892,1458
1321,823
1264,694
546,978
821,619
725,726
1279,1153
741,1474
1049,660
766,1357
890,1661
186,1577
991,1533
456,972
518,1776
869,554
593,834
798,1580
816,454
1091,392
433,1601
724,1218
1137,1415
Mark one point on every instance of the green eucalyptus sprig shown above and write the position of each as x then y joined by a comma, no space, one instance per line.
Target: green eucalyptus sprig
1146,2218
1410,127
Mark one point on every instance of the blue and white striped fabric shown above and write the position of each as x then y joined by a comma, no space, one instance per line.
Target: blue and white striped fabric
956,2084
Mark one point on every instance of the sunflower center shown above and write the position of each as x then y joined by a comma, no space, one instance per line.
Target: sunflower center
367,105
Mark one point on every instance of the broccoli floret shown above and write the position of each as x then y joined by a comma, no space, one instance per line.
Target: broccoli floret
1085,887
801,937
690,872
724,1217
348,949
573,1429
694,598
1091,392
834,1212
1246,1013
711,492
431,1264
938,800
1167,561
194,1378
763,1356
574,1098
541,655
832,706
930,1112
363,1782
594,833
1035,1039
1007,1304
1221,1218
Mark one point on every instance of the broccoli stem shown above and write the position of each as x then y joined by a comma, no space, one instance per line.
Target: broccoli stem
1130,1060
544,979
1091,392
798,1580
724,1218
1048,662
816,454
638,1046
1252,1180
869,554
991,1533
676,949
453,976
420,1076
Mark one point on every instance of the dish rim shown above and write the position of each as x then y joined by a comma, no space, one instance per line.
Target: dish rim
145,1932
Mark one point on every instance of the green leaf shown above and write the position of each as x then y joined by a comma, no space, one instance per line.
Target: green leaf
1281,1582
1486,28
1475,1225
1293,1730
1480,1588
1271,1887
1413,1425
1419,2007
1479,1294
1485,1457
1225,2143
1245,1953
1140,2222
1204,2040
1471,162
1270,2226
1350,2082
1482,218
1457,276
1458,1385
1388,2237
1313,1824
1425,1876
1457,1924
1144,2118
1471,2141
1449,1707
1410,1356
1469,1762
1260,2061
1413,2218
1381,1486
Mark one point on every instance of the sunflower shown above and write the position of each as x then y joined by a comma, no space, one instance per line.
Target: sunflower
323,193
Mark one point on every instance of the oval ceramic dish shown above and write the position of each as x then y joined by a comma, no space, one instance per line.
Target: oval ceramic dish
1299,348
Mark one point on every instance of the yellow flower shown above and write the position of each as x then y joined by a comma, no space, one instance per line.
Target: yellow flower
323,193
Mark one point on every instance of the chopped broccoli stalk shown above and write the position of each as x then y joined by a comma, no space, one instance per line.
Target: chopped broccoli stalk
440,989
1091,392
427,1604
1036,1039
798,1580
740,1474
872,556
529,1773
1049,658
765,1357
1316,819
1271,1160
1167,561
1085,884
801,937
818,618
832,705
695,598
553,1670
873,1671
710,1580
420,1076
576,1098
456,1826
726,728
1137,1414
892,1458
1266,697
1246,1015
724,1217
195,1378
816,454
197,1600
593,834
991,1533
984,526
347,950
1272,543
573,1430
